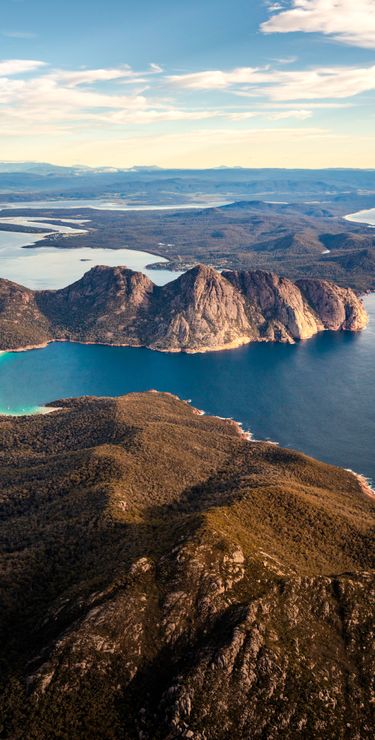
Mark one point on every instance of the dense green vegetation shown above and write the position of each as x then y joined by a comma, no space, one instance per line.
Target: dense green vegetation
154,562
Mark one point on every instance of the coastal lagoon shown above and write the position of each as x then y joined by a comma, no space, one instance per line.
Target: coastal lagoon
50,267
317,396
363,217
101,204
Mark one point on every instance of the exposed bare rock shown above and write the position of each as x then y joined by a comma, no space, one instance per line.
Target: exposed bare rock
338,308
278,306
202,310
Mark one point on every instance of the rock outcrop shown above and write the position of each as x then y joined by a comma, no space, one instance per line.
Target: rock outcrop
162,578
200,311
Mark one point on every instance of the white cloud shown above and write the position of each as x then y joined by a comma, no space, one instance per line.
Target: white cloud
19,66
322,83
156,68
61,101
301,115
285,60
349,21
217,79
41,106
307,84
89,76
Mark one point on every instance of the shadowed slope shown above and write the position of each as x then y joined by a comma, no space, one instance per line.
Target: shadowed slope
164,575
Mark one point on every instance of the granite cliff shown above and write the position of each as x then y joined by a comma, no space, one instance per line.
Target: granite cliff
201,310
163,577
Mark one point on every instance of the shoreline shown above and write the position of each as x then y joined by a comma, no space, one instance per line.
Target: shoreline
247,436
235,344
364,482
353,218
241,342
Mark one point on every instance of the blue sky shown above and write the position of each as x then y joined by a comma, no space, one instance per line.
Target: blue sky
207,83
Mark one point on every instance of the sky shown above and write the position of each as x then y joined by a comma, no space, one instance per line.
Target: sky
208,83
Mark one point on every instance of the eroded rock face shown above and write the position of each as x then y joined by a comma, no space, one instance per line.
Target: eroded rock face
200,311
277,306
339,308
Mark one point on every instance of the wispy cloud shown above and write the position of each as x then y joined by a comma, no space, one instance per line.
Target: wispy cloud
19,66
18,34
216,79
307,84
300,115
55,101
349,21
261,107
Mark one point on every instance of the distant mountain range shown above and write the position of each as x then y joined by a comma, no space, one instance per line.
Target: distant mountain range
203,310
81,181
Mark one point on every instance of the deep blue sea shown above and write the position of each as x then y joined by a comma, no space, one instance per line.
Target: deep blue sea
317,396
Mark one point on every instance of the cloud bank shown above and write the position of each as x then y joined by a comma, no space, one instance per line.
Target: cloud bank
349,21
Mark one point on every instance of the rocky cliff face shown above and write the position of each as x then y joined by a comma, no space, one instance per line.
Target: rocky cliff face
166,578
201,310
338,308
278,306
21,321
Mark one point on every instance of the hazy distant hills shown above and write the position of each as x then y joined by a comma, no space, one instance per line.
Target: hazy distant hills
287,221
147,182
163,578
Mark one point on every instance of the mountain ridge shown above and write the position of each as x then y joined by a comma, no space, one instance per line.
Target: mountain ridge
167,578
202,310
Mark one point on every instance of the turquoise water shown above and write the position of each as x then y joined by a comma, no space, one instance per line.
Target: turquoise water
317,396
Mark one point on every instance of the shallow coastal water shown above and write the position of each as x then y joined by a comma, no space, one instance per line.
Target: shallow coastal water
363,217
317,396
48,267
112,205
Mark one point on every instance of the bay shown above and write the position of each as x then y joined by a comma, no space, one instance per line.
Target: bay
317,396
49,267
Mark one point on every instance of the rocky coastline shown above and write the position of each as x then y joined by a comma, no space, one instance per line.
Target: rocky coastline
201,311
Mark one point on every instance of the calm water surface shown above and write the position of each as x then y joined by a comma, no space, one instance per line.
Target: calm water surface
317,396
363,217
49,267
114,205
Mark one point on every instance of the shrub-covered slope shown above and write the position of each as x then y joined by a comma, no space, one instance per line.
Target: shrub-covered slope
163,577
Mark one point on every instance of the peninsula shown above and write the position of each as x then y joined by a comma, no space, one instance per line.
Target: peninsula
202,310
163,577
